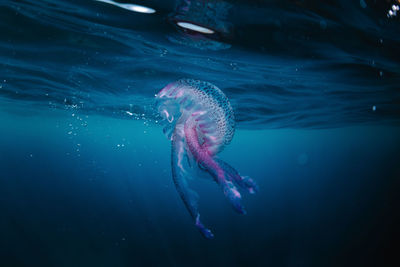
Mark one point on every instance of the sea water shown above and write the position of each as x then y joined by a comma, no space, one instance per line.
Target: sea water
85,174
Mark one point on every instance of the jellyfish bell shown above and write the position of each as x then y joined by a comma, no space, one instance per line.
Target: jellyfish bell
203,102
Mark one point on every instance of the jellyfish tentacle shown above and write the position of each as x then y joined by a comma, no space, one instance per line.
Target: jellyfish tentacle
244,182
205,158
179,176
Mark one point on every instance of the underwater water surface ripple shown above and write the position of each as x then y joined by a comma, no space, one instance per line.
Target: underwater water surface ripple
296,64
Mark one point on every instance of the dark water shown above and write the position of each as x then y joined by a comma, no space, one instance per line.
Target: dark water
85,175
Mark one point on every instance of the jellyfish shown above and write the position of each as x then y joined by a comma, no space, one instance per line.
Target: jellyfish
199,121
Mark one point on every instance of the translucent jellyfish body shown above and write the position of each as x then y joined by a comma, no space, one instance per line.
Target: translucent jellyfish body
199,121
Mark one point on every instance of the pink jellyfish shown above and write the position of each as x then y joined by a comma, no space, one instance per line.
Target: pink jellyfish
200,122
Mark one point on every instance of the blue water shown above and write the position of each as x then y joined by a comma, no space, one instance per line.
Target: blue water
85,175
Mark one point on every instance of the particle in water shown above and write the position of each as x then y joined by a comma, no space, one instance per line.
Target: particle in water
363,4
323,24
381,73
393,12
302,159
373,108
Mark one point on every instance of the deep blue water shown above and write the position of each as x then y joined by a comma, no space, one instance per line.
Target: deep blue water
85,175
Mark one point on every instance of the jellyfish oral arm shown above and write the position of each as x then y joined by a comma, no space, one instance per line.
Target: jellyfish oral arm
188,196
204,157
243,182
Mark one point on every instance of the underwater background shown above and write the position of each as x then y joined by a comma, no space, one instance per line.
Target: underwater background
85,169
